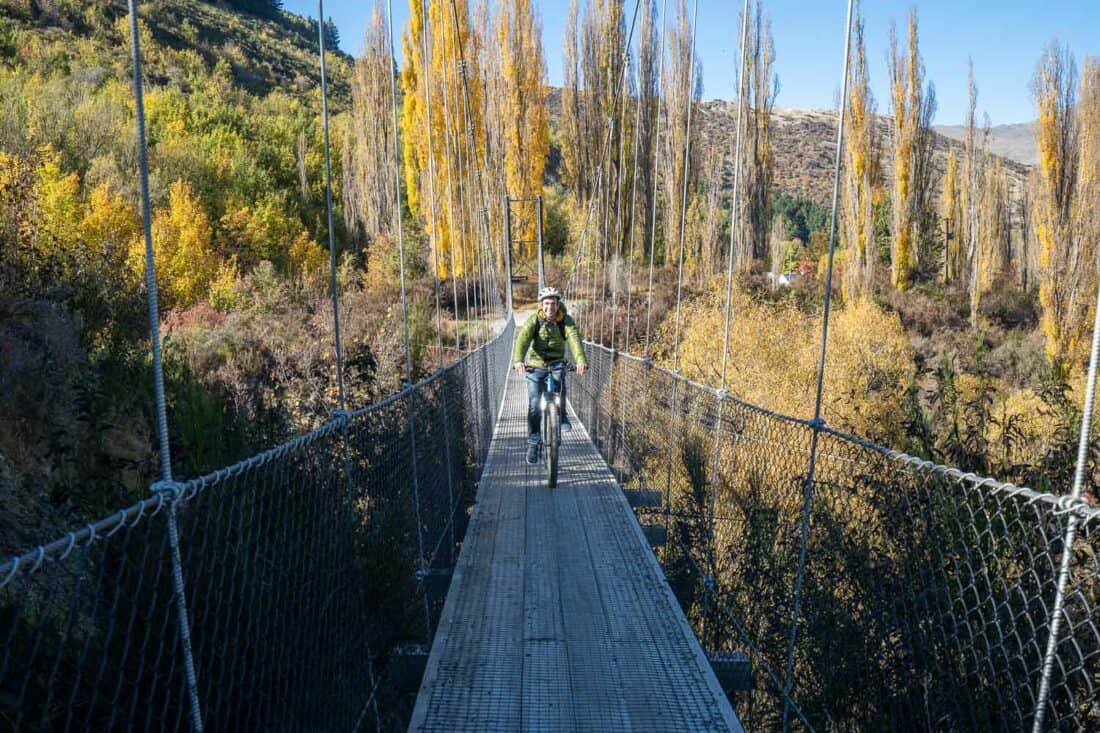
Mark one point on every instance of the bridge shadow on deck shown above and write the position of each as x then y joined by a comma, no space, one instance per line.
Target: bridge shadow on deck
559,617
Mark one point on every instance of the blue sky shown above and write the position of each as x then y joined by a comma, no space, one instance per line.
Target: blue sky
1003,38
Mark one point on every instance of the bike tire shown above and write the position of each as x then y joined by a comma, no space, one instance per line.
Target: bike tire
552,437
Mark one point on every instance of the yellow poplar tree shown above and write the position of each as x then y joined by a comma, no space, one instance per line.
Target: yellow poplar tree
992,253
913,106
447,78
414,136
860,173
1060,263
525,115
954,261
369,175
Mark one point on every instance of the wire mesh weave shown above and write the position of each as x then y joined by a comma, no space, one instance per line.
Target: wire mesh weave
300,564
927,593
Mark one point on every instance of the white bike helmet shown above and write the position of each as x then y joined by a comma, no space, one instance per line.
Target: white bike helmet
549,292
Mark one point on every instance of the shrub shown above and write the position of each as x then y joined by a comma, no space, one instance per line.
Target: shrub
1008,305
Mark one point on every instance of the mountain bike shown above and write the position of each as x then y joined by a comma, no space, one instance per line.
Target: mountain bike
551,406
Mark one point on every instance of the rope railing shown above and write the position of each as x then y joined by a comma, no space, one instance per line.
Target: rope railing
927,595
292,581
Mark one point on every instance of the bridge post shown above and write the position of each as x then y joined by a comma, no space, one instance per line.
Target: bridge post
538,217
508,248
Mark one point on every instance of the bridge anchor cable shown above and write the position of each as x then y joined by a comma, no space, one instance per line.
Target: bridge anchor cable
178,585
817,423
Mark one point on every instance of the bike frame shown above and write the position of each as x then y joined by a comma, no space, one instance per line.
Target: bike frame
552,408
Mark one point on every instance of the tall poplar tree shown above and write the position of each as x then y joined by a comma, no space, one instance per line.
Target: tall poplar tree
757,157
913,107
861,172
369,175
1057,143
524,113
441,71
683,89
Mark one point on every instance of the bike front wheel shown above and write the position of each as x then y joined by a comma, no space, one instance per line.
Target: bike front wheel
551,435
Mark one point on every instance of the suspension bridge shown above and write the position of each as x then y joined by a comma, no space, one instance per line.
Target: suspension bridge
705,564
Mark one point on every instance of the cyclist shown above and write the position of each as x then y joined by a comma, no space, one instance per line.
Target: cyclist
541,343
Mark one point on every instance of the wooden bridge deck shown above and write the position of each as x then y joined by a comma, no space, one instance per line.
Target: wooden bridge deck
559,617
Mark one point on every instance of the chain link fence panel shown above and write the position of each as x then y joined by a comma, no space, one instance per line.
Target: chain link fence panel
303,565
927,593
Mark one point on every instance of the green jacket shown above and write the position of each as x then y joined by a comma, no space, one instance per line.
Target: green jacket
540,342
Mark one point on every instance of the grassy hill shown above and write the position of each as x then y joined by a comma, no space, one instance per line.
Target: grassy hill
237,188
805,143
263,53
1015,142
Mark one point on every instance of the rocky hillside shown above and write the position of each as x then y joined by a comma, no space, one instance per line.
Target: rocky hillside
1015,142
264,51
805,143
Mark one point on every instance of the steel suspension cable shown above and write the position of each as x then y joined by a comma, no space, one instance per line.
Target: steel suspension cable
471,330
735,231
619,209
426,65
458,238
166,484
1071,525
447,144
630,262
405,324
328,212
680,267
817,423
633,216
468,205
684,189
337,344
468,106
582,248
653,201
606,234
453,153
617,233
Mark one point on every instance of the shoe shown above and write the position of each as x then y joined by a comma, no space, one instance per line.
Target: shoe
532,453
566,426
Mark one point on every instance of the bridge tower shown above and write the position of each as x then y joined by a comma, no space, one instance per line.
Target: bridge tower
523,230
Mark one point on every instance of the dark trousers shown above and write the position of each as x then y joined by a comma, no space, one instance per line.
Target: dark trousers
536,385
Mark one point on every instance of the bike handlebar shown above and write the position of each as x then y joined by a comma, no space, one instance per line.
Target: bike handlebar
568,367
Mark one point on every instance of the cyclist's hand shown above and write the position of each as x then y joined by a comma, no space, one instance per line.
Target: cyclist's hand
580,370
518,366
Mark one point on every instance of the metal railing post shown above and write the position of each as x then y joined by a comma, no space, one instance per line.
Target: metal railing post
538,229
508,248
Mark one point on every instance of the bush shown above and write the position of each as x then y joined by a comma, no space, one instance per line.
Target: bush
1008,305
929,308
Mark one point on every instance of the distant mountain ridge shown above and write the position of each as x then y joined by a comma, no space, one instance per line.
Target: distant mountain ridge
804,142
1015,142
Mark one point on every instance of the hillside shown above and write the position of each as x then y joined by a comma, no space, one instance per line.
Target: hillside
1015,142
805,143
237,189
276,51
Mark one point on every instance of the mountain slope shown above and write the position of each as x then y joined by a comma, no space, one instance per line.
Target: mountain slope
261,52
1015,142
805,144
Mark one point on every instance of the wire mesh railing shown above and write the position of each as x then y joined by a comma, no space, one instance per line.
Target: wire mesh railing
926,593
301,569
